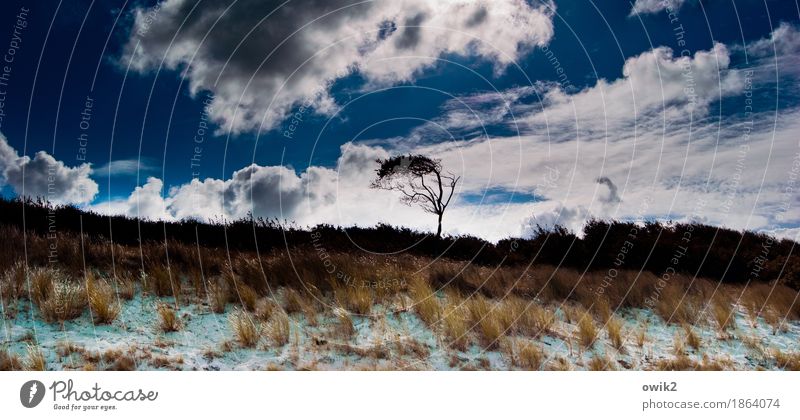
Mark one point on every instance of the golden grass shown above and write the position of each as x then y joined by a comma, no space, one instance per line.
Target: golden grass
754,347
678,363
344,325
34,359
245,329
425,302
245,295
787,361
102,300
614,330
124,287
602,309
168,320
163,282
560,363
278,330
9,361
264,309
64,301
586,333
293,301
599,363
777,322
455,326
529,356
491,331
678,345
692,339
685,363
217,296
641,334
357,299
723,314
675,307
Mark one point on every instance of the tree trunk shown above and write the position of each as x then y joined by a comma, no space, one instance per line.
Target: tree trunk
439,230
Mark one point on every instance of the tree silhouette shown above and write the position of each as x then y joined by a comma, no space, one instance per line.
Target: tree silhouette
421,180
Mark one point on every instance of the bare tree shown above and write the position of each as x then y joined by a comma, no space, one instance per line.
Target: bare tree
421,180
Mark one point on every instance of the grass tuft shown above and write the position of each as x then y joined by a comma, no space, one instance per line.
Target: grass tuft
279,329
614,330
167,318
102,301
34,360
586,332
244,327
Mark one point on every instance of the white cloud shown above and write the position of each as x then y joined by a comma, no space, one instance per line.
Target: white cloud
784,40
45,177
655,6
260,59
655,83
124,167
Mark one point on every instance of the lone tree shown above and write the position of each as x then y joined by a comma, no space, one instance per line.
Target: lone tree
421,180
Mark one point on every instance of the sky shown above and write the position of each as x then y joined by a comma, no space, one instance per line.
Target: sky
551,112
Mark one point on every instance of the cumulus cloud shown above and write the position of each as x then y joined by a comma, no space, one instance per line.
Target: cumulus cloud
260,59
573,218
784,40
655,6
45,177
656,86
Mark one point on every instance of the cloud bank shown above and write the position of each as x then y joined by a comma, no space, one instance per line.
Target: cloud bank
45,177
261,58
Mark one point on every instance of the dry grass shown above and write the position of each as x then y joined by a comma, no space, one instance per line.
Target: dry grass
426,304
163,282
692,339
787,361
678,363
490,322
245,329
294,301
599,363
102,300
754,347
344,327
723,314
124,287
357,299
9,361
586,332
602,309
678,345
245,295
614,330
685,363
278,330
217,297
34,359
264,309
673,307
529,356
777,322
168,320
560,363
455,326
64,301
641,334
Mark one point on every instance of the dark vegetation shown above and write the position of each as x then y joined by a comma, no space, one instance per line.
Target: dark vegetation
690,249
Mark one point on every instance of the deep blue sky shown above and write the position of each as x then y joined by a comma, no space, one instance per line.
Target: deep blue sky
71,51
